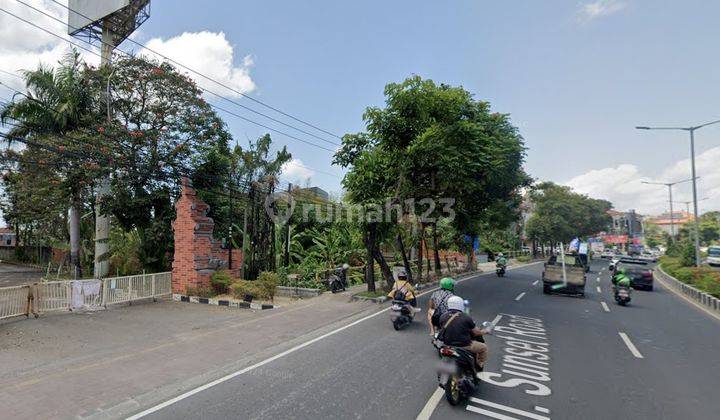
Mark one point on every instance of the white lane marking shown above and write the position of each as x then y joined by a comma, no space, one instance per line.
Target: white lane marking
535,282
630,345
520,296
496,320
431,405
508,409
605,307
598,279
599,289
286,352
542,409
489,413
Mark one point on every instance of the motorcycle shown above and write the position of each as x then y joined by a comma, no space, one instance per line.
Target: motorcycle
457,370
401,311
337,281
500,270
622,295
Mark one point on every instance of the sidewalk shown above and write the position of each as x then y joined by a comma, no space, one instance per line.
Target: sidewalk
107,364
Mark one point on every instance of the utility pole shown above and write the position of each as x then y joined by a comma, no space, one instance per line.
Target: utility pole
286,256
669,185
694,178
102,222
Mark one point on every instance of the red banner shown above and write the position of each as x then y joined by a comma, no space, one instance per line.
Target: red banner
615,239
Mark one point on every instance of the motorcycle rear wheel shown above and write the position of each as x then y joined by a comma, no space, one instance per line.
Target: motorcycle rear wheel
452,391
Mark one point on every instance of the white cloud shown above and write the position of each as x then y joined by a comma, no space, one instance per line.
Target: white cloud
209,53
296,171
621,185
24,47
600,8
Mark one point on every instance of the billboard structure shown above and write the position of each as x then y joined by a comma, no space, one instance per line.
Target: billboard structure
88,18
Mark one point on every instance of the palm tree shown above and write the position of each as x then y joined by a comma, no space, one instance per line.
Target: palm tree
57,102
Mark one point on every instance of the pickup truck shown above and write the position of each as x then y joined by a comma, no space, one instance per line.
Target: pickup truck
572,283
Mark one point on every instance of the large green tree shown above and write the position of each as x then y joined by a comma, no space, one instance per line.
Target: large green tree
561,214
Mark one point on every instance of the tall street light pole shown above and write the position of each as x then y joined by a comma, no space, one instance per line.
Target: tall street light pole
691,130
687,203
669,185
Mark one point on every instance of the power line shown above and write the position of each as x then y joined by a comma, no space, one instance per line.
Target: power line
208,78
214,106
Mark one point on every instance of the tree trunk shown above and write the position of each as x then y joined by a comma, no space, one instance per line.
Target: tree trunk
420,252
469,263
384,267
369,240
74,219
406,262
436,251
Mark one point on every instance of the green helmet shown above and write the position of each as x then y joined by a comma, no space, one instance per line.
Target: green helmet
620,270
447,283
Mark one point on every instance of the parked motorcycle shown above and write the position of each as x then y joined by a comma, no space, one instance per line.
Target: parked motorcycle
500,270
622,295
401,311
457,371
337,281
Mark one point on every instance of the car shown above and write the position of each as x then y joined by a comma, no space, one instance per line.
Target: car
713,258
641,277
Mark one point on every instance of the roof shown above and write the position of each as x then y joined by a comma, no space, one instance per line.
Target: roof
7,230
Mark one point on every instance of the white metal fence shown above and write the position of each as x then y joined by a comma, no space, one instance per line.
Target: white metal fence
13,301
57,295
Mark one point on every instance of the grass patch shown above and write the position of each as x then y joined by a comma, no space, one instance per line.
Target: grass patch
702,278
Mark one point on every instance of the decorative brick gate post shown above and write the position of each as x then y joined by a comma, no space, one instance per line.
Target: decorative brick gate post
197,254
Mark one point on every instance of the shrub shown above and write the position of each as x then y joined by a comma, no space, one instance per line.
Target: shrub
524,258
263,288
202,291
221,281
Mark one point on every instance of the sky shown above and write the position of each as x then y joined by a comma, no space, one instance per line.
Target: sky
576,76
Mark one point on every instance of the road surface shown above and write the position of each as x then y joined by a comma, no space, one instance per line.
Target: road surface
655,359
17,275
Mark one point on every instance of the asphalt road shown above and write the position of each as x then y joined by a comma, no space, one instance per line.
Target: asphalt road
17,275
655,359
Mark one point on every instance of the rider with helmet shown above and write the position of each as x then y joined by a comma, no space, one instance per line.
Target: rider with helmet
501,260
459,330
438,303
402,289
621,279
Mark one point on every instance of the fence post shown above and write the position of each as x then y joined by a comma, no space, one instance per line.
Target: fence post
130,295
153,287
104,293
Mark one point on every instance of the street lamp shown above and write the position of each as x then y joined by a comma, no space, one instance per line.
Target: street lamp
694,184
669,185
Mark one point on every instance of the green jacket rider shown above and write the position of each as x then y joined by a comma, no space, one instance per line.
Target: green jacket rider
501,260
620,279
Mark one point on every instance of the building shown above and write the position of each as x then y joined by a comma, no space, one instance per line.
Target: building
317,192
626,223
665,222
7,238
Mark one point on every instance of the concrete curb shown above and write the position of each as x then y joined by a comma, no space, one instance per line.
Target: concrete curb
222,302
705,300
302,292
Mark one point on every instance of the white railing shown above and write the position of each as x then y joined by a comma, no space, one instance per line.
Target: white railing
129,288
13,301
57,295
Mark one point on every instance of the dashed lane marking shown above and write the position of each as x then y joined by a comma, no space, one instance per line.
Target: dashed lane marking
630,345
599,289
605,306
535,282
520,296
431,404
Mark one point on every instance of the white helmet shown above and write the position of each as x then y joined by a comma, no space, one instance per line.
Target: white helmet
500,254
455,303
345,266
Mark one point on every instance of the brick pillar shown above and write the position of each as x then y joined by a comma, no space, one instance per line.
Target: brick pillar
197,254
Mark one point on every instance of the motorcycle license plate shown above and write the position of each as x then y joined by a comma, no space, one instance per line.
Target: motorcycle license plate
623,293
446,367
397,307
